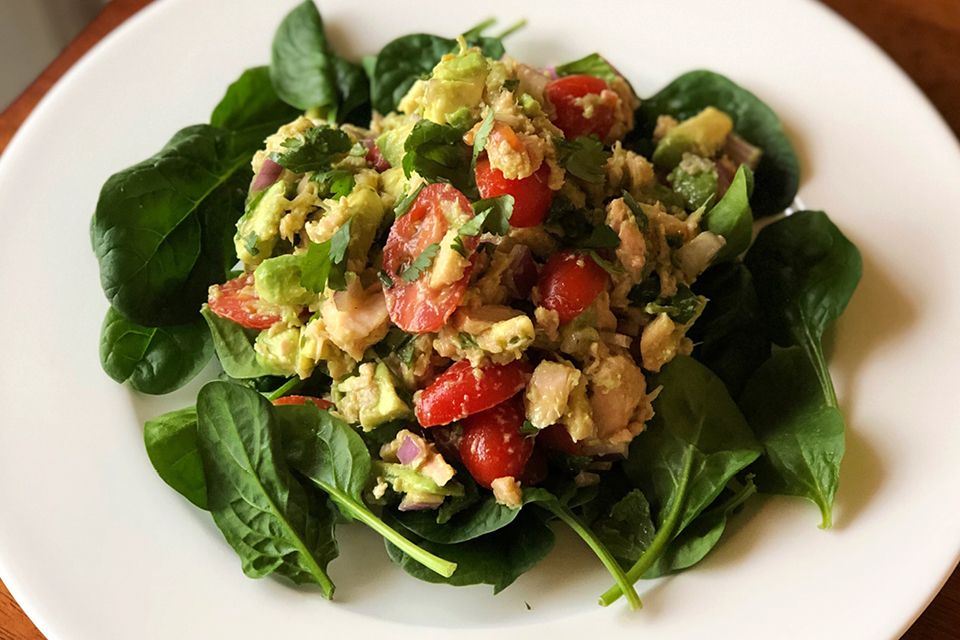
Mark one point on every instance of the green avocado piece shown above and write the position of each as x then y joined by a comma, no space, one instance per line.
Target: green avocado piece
379,400
277,349
390,143
406,480
366,212
258,229
457,83
694,180
277,281
703,134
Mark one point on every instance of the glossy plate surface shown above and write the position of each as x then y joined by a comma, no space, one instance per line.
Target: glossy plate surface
96,547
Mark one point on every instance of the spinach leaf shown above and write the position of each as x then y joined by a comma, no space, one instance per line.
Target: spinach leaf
602,236
802,433
694,543
251,109
583,157
805,271
682,307
497,559
171,443
302,66
353,85
697,441
779,170
437,152
590,65
480,519
269,519
732,217
408,58
234,347
730,335
628,528
154,360
163,228
329,453
319,147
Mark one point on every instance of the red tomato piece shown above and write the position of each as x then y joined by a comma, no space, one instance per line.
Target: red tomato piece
531,195
320,403
564,94
537,468
569,283
492,446
463,390
237,300
415,306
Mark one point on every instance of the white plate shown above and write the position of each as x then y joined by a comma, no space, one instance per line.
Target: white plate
96,547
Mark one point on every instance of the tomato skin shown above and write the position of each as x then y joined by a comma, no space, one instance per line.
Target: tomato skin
236,300
319,403
569,283
563,93
532,195
492,446
415,306
463,390
537,468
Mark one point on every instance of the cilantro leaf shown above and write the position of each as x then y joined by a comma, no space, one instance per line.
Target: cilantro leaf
682,308
480,140
638,214
437,152
406,201
528,429
334,183
601,236
496,214
324,264
421,263
319,147
591,65
583,157
339,243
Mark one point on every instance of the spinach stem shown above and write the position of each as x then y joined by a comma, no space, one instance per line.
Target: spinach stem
516,26
814,351
664,536
477,30
435,563
282,390
598,548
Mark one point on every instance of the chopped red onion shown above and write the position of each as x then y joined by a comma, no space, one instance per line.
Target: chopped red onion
374,158
408,451
269,172
419,502
742,152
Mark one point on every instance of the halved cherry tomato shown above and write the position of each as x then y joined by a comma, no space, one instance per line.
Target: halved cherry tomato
416,307
237,300
320,403
563,94
569,283
537,468
531,195
492,446
463,390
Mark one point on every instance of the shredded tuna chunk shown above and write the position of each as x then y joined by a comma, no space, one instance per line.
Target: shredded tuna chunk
506,491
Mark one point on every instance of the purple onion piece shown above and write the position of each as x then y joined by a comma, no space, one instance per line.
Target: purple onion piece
408,451
742,152
269,172
419,502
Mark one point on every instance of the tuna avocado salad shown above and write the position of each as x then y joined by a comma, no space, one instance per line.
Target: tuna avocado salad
464,300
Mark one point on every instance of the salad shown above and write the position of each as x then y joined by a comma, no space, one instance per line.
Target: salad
463,300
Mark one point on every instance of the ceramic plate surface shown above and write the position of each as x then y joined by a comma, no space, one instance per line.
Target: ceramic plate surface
96,547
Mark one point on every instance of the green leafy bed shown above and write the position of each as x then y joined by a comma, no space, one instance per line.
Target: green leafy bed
753,410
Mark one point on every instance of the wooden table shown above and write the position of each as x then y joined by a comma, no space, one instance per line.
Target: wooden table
923,36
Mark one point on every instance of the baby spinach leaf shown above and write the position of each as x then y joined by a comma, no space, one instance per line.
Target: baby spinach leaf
628,528
329,453
801,431
437,152
694,543
590,65
805,271
408,58
251,108
173,449
267,517
497,559
583,157
163,228
732,218
154,360
480,519
779,170
319,147
730,335
234,347
353,85
682,307
302,66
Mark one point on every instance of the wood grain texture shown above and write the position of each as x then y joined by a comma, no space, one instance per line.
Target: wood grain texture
922,36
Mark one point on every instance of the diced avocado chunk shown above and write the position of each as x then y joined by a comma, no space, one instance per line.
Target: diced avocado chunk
277,281
277,349
259,227
366,211
403,479
694,180
703,134
390,142
457,82
371,397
